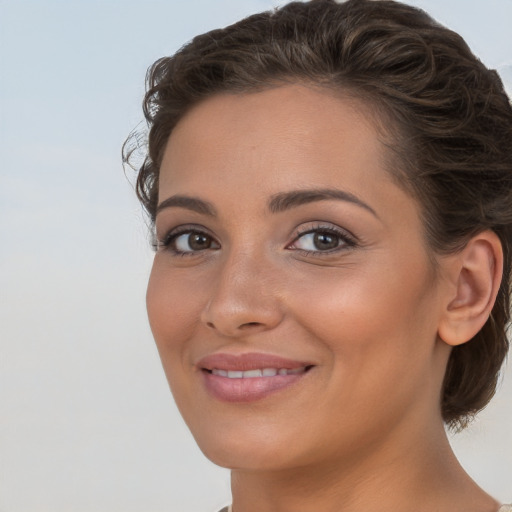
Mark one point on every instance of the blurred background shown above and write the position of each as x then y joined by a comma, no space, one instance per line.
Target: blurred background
86,419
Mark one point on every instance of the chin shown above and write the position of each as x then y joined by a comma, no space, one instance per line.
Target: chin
247,448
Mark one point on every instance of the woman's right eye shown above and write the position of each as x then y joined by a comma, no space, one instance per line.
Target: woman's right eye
188,242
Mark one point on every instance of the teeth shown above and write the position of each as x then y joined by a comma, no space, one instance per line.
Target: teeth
250,374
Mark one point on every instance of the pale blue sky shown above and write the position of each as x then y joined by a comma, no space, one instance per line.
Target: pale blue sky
87,420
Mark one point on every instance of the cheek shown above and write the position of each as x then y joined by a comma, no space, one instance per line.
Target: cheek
345,302
366,316
173,306
379,332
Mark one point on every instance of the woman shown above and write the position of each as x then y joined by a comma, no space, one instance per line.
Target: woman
331,190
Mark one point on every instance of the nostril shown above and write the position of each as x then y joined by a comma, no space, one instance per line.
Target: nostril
243,326
250,324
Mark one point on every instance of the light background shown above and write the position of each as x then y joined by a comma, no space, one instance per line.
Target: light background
86,420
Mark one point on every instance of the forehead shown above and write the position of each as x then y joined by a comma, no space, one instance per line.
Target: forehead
286,133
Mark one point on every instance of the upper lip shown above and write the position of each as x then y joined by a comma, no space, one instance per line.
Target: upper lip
247,361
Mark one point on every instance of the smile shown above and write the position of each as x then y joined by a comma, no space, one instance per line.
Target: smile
251,374
249,377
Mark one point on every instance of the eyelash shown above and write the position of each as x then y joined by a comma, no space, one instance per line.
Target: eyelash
167,242
347,240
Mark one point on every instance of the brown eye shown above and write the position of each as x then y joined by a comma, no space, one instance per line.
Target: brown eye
319,240
192,242
325,241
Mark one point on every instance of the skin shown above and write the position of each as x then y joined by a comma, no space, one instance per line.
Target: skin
363,428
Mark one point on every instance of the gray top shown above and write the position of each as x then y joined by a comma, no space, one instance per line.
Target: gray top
503,508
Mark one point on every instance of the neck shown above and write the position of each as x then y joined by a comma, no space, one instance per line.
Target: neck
421,474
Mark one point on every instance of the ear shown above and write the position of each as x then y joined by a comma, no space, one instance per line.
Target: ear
475,276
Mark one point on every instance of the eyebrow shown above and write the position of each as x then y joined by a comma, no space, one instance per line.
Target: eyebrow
278,203
286,200
190,203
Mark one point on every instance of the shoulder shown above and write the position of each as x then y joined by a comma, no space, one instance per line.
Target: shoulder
503,508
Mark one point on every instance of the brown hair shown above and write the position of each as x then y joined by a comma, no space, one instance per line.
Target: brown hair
451,135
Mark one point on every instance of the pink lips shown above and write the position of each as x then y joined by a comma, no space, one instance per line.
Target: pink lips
248,389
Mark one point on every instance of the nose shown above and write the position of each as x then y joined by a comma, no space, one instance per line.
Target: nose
244,298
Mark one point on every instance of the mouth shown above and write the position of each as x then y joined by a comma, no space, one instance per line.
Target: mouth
249,377
258,372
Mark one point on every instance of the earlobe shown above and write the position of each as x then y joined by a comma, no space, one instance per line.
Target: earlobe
476,273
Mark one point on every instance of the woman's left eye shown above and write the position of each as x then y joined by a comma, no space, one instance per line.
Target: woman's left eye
322,240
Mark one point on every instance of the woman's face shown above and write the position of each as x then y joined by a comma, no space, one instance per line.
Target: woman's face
292,299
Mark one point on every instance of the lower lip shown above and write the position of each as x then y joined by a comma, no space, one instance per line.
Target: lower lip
247,390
